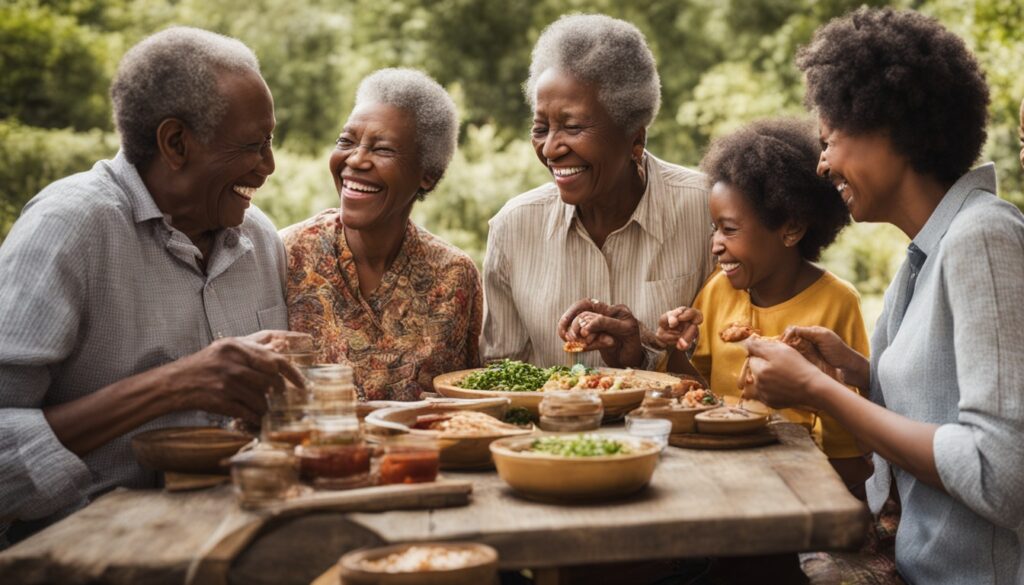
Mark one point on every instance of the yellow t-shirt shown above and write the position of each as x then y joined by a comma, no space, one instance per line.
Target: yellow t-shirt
829,302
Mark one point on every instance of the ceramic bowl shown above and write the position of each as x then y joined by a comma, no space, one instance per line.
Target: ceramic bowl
188,449
728,420
556,478
459,452
482,571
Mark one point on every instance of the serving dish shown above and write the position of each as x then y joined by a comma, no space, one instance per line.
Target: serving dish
730,420
188,449
458,451
561,478
616,402
480,566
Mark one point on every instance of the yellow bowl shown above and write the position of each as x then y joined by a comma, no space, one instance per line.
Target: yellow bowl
482,571
187,449
457,452
711,423
548,477
616,403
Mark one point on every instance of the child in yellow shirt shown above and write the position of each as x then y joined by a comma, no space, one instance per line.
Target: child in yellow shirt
772,217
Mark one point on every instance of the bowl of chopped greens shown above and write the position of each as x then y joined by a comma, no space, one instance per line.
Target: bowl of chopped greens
586,467
621,390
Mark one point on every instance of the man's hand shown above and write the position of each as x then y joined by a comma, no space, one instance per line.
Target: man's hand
611,329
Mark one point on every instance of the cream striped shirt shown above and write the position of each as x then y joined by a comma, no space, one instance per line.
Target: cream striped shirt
540,260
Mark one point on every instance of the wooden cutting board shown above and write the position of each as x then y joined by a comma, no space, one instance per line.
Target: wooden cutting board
722,442
240,528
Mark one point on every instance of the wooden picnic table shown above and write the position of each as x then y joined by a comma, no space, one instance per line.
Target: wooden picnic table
774,499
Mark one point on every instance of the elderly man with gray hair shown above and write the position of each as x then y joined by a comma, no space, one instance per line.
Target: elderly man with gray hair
133,295
375,290
618,236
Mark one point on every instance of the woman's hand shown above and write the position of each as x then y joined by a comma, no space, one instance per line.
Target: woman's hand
678,327
780,376
854,368
611,329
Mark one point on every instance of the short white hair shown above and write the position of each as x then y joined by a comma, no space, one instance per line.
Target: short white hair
174,74
607,52
415,92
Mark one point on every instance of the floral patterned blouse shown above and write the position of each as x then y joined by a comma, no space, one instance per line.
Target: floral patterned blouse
423,320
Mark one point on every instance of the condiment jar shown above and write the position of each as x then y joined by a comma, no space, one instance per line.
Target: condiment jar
262,476
570,411
332,408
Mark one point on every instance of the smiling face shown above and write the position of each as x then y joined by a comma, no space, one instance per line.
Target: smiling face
865,169
574,136
748,252
376,167
224,174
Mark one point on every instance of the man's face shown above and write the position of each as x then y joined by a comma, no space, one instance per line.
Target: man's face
224,174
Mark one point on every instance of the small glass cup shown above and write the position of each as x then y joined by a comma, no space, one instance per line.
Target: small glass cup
335,466
570,411
332,406
296,347
285,428
409,459
653,429
262,476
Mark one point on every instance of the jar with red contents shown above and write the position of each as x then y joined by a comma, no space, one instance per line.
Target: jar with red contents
409,460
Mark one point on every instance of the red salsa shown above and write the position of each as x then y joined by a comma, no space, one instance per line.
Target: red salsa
409,466
334,461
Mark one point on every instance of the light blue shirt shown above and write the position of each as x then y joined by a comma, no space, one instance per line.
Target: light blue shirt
957,360
96,286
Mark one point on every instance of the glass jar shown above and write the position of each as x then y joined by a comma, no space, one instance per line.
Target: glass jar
262,476
297,348
409,459
337,466
332,406
570,411
652,429
285,428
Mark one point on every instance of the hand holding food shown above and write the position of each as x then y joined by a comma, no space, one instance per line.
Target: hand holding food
678,327
612,329
830,349
779,375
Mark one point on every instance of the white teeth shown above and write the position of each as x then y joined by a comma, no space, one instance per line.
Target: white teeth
567,171
842,186
245,191
360,187
729,266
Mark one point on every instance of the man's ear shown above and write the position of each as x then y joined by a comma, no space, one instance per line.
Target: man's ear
172,142
792,233
639,143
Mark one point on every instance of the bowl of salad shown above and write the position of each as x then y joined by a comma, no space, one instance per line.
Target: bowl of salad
621,390
585,467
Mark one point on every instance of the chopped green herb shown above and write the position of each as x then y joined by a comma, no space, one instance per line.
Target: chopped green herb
516,376
520,416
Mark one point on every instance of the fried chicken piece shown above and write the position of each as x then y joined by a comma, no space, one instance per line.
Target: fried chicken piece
737,331
573,346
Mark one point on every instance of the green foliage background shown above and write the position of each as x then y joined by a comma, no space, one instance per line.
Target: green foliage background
722,63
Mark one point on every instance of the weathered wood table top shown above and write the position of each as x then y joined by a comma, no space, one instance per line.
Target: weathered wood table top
779,498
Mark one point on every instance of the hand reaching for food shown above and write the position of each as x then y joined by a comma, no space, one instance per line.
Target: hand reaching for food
611,329
679,327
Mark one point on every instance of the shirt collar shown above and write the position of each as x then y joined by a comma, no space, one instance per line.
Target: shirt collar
982,178
645,215
143,206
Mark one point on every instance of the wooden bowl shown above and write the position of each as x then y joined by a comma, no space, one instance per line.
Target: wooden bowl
188,449
456,452
740,422
548,477
683,419
616,403
482,572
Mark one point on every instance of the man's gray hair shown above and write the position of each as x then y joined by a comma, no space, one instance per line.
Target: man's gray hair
607,52
437,122
174,74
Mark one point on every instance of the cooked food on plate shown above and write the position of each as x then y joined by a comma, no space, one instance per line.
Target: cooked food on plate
464,423
416,559
579,446
516,376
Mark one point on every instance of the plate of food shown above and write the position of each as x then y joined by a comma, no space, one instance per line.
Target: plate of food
730,420
680,408
575,467
464,432
621,390
422,563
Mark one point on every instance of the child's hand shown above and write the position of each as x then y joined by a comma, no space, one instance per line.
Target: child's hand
678,327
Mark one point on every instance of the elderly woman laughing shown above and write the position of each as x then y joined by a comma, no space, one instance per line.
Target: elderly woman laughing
375,290
627,233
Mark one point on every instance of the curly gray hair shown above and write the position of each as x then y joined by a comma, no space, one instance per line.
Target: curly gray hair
174,74
607,52
437,122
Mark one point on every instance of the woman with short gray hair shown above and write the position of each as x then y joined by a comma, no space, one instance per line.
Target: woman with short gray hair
619,236
375,290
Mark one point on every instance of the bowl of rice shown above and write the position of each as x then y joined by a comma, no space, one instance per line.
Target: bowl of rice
424,563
